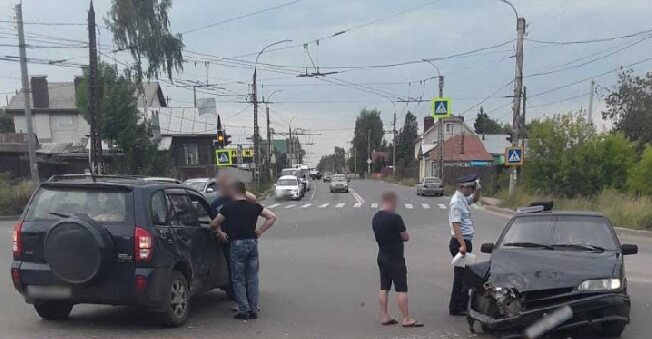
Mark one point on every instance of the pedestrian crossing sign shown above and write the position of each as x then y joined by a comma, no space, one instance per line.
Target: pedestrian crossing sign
234,153
223,157
441,107
514,156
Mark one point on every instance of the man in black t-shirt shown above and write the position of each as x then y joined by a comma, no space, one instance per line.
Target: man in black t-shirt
236,223
389,230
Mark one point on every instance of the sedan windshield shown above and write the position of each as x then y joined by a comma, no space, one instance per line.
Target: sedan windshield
339,178
582,233
432,181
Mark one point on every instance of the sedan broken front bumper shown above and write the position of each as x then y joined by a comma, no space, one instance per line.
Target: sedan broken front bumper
589,309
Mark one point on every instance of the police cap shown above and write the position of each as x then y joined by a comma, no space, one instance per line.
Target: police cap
467,180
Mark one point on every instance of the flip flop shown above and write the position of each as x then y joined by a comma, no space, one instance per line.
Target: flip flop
389,322
414,324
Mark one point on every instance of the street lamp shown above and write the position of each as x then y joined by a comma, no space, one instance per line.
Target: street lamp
290,142
255,97
269,135
510,5
440,129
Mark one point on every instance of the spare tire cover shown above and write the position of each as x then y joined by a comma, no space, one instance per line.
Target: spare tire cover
76,249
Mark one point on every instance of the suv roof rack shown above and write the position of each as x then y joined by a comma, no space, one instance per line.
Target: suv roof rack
536,207
62,177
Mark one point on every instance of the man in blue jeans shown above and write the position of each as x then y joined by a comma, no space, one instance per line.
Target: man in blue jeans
236,223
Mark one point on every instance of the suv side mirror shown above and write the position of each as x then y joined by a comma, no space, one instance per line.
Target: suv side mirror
487,247
210,190
628,249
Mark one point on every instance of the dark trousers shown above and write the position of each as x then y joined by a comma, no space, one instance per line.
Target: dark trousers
460,294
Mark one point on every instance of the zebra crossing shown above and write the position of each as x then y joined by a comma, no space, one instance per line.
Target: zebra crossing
356,205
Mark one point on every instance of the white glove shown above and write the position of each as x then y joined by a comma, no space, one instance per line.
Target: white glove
477,184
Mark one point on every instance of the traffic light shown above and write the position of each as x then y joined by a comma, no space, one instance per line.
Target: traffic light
219,143
227,139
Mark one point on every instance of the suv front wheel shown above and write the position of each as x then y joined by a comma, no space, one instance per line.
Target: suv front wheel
53,310
178,303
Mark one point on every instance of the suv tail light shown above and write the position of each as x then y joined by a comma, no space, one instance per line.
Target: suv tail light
17,243
142,245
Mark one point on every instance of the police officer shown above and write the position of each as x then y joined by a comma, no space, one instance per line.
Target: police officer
459,218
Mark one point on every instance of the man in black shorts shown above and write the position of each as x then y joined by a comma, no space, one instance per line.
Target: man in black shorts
390,233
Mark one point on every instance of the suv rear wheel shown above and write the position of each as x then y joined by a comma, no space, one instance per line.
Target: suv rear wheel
178,303
53,310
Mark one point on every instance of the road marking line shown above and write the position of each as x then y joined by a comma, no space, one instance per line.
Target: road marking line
357,205
409,206
314,190
272,206
357,196
340,205
324,205
306,205
290,206
425,206
374,205
442,206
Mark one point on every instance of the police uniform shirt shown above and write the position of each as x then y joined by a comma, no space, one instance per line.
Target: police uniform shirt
459,212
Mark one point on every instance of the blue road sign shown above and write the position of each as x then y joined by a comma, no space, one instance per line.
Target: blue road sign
514,156
441,107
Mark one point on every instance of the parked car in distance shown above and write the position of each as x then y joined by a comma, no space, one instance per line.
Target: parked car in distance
163,179
206,186
77,243
327,176
288,187
430,186
339,183
548,260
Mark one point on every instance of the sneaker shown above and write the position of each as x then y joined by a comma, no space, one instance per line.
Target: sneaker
241,316
253,315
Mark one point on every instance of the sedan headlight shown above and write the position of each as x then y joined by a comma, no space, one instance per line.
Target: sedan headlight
600,285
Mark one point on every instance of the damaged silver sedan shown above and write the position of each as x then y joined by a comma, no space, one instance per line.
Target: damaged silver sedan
546,261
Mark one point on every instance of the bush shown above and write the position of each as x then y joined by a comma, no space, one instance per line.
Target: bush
639,179
14,196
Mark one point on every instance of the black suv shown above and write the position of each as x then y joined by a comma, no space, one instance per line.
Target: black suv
116,240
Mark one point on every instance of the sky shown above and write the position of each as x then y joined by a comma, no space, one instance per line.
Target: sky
222,39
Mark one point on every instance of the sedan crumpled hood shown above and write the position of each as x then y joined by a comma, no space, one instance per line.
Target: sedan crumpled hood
529,270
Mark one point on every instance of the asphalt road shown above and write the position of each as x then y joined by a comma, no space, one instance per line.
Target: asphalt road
319,278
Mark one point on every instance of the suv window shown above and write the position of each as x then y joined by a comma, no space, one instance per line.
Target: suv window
159,207
202,209
186,214
52,203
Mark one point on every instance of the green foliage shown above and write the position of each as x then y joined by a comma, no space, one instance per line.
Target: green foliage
333,163
629,106
617,156
639,180
405,141
6,122
142,27
368,125
485,125
14,195
562,157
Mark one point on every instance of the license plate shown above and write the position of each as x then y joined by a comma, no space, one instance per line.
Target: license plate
49,292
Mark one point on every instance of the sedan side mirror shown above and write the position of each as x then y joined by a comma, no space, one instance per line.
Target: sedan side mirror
487,247
628,249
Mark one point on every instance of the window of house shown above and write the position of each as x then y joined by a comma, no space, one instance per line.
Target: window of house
64,121
191,154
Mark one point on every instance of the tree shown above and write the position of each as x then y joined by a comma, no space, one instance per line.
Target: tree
333,162
367,125
639,180
617,156
485,125
629,106
6,122
405,141
142,27
563,158
121,125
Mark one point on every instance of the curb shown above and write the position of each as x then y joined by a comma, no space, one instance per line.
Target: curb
9,217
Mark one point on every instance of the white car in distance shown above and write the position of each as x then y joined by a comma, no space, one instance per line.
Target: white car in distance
288,187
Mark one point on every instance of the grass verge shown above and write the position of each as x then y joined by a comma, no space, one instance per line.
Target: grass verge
624,210
14,195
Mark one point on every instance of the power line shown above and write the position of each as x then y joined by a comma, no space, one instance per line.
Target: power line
590,41
285,4
488,97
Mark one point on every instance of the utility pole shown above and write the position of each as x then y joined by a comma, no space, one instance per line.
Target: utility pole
269,146
31,147
590,118
518,89
523,117
394,147
290,142
194,95
440,135
256,136
97,163
369,152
